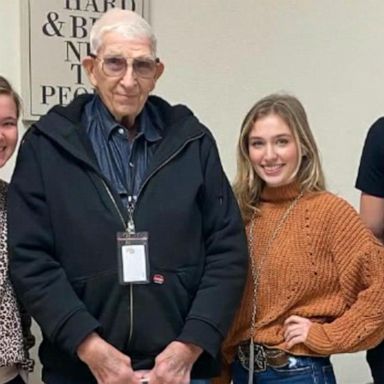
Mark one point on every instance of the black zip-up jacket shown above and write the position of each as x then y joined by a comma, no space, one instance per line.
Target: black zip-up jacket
63,220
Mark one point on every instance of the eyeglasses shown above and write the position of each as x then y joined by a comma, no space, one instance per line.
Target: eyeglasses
116,66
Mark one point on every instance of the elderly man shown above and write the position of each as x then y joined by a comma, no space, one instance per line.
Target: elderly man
126,242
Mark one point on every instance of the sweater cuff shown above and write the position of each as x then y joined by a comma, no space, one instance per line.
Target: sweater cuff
202,334
318,340
75,329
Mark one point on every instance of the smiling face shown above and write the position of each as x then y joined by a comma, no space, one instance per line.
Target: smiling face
273,151
123,95
8,128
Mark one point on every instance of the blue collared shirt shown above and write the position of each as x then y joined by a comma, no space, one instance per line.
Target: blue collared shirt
122,162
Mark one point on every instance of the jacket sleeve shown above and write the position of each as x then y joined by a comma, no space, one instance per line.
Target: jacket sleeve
359,259
370,177
38,278
226,263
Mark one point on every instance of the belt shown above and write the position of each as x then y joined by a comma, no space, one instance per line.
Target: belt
263,357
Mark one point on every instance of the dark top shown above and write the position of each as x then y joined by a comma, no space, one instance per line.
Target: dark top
122,162
370,178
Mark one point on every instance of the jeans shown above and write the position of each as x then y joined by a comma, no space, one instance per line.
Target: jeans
300,370
375,358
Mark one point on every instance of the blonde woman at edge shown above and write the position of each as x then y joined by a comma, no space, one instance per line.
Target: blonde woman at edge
14,326
317,274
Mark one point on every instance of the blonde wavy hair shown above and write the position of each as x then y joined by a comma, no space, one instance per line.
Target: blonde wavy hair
248,185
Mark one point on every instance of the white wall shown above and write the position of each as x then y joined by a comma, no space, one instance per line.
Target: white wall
221,56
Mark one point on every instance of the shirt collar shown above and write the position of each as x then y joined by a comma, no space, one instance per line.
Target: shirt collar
149,122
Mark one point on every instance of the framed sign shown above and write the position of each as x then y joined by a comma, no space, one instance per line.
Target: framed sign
55,38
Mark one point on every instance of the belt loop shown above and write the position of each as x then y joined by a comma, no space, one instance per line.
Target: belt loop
251,367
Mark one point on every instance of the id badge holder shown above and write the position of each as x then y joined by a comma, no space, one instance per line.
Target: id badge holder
132,253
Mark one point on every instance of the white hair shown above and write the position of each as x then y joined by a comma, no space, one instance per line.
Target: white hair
125,22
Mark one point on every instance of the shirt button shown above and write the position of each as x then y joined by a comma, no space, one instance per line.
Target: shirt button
131,165
121,131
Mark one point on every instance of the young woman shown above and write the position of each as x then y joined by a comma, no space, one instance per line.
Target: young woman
317,274
14,326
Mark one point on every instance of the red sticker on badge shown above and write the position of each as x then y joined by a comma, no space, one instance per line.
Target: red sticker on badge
158,279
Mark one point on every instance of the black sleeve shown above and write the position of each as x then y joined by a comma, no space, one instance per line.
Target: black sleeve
370,178
26,325
38,278
226,264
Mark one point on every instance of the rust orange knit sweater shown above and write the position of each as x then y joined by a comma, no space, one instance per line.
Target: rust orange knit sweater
323,265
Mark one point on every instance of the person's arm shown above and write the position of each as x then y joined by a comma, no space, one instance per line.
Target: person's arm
370,179
226,258
372,213
39,279
29,339
359,259
223,278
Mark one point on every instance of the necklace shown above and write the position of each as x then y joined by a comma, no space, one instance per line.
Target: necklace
255,270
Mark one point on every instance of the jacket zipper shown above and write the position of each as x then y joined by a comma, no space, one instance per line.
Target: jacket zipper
125,224
167,161
130,285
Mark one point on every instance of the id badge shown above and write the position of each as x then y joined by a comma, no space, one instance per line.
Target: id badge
132,253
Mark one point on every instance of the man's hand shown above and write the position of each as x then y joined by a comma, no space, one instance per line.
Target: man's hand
107,364
296,330
174,364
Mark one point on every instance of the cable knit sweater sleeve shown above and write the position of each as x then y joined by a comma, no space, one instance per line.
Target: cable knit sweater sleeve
359,259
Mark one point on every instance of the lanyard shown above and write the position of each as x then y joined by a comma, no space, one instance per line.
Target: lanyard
131,207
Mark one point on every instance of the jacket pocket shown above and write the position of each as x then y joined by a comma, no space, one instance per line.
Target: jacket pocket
161,309
109,303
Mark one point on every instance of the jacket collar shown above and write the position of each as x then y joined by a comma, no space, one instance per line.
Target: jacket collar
63,126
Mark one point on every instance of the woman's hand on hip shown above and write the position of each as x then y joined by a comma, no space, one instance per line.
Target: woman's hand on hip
296,330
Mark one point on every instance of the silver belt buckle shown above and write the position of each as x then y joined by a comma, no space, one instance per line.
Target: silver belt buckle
243,358
260,358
